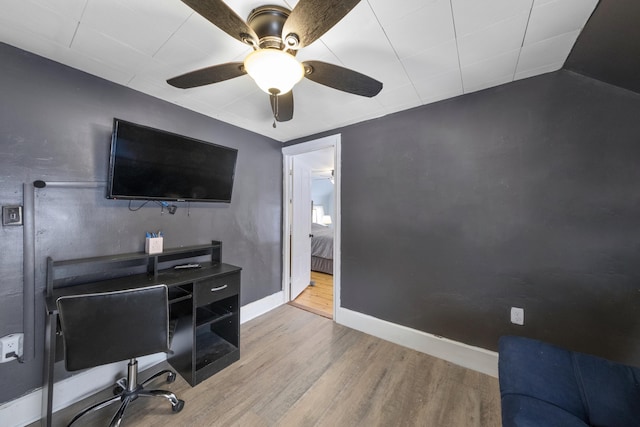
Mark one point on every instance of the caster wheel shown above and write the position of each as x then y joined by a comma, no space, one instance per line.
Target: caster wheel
171,377
178,407
117,390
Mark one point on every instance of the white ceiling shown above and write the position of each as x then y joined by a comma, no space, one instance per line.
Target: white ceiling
421,50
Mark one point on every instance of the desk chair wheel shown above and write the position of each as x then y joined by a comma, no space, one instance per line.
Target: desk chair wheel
178,406
120,386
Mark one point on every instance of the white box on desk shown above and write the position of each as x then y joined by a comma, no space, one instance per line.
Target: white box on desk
153,245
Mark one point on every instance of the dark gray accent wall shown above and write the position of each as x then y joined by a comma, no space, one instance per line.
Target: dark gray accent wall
55,125
524,195
607,48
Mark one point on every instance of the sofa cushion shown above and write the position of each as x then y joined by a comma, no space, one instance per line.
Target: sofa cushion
532,368
540,382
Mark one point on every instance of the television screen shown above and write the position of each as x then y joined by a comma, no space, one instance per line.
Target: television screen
150,164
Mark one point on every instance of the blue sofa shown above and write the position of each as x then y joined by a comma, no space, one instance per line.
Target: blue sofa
545,385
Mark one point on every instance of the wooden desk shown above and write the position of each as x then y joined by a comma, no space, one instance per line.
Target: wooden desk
204,305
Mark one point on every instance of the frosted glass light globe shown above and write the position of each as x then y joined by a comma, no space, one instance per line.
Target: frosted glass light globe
274,71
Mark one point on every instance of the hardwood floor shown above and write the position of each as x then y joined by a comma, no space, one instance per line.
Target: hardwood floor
318,298
299,369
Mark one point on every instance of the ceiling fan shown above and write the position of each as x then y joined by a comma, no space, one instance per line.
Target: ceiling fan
276,34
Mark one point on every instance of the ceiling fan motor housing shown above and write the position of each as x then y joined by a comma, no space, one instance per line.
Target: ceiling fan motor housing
267,22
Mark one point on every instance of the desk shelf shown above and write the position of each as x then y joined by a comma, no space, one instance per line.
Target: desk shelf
95,269
210,315
177,294
212,348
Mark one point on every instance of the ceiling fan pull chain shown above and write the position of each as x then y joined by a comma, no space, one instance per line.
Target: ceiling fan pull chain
275,109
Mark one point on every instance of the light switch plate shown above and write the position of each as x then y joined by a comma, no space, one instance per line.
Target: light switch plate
12,215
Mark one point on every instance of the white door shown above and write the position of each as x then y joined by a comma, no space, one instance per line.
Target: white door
300,228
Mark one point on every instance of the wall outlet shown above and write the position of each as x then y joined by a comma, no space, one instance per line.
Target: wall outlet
11,347
517,316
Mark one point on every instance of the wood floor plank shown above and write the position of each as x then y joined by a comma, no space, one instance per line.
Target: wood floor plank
317,298
300,369
320,398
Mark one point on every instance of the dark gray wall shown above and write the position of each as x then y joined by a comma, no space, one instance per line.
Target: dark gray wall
524,195
55,125
607,48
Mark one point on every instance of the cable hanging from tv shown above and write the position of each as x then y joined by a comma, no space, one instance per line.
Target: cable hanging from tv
170,208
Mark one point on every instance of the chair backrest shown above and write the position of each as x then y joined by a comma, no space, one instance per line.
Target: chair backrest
108,327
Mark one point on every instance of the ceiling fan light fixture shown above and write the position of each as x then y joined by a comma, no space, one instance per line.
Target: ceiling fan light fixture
276,72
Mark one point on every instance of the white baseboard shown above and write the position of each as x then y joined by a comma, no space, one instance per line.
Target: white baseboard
476,358
260,307
27,409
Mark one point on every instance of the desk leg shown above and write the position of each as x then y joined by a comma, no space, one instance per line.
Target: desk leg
49,362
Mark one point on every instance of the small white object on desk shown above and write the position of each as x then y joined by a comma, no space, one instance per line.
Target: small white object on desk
153,245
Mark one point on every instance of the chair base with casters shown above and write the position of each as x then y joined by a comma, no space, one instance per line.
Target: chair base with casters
127,390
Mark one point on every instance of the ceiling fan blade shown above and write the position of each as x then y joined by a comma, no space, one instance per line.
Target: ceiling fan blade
208,75
341,78
282,106
310,19
223,17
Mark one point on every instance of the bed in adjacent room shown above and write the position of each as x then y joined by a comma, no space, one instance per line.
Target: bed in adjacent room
322,248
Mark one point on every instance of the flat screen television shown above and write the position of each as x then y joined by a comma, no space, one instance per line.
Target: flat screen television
151,164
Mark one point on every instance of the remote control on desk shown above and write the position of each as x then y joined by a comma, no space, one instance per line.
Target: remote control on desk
186,266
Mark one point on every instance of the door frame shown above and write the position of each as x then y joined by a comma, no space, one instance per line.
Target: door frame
288,154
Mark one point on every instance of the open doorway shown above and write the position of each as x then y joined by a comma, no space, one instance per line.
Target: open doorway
317,296
311,276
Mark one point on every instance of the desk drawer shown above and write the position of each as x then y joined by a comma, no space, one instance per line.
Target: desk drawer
217,288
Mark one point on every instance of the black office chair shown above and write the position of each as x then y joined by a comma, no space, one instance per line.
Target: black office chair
109,327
